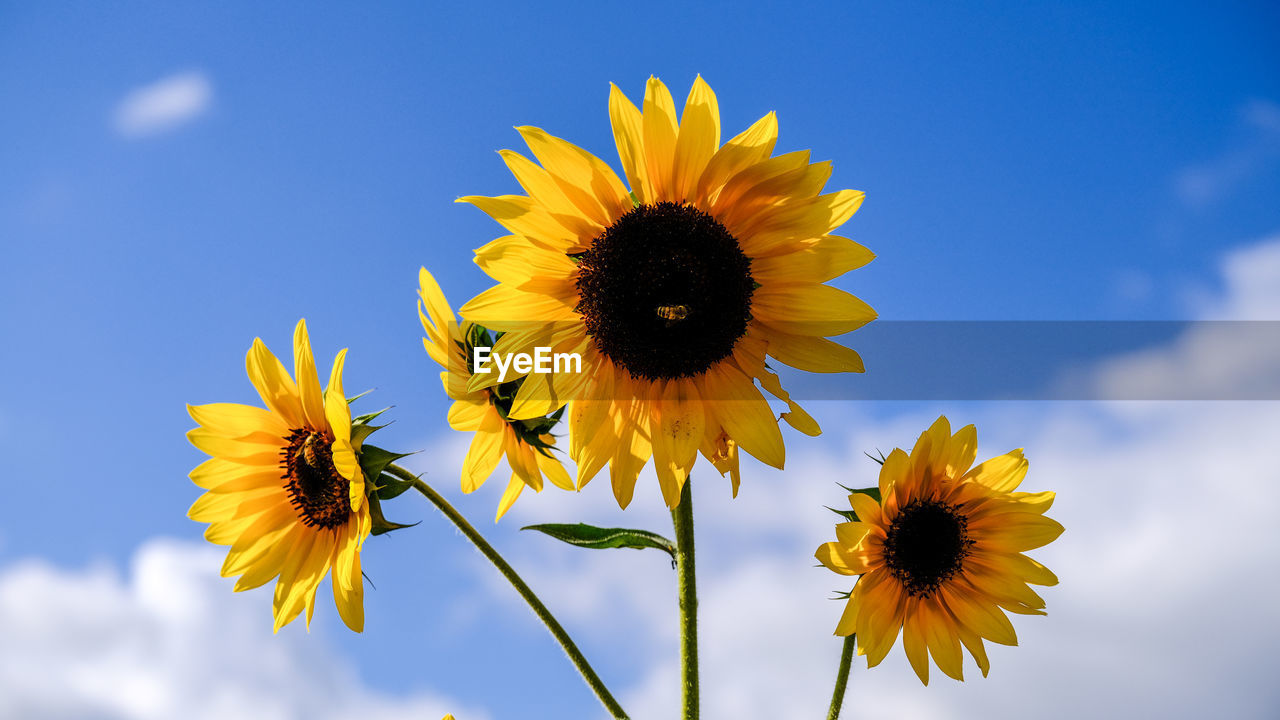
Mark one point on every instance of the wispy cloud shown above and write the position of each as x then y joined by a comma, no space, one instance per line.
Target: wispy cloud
163,105
168,641
1204,184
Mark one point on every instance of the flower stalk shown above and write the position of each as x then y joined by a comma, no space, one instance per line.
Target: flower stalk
842,677
687,590
570,648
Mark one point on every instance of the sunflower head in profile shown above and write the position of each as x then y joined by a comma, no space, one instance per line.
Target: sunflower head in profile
486,410
283,485
672,291
940,554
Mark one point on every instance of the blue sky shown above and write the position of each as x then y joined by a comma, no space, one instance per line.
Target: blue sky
1090,162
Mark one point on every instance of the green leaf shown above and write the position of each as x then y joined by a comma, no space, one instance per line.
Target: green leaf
597,538
381,524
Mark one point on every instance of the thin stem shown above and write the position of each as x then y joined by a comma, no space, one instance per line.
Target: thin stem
842,677
687,588
570,649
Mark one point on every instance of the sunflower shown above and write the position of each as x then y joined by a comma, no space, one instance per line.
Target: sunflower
672,292
526,443
940,555
284,486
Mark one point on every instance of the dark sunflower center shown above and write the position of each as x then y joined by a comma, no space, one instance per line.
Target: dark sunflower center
665,291
316,489
926,545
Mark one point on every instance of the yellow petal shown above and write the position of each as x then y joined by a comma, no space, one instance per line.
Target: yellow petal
943,642
814,354
267,567
796,416
273,384
1021,532
697,141
466,415
744,413
234,421
633,450
584,178
520,457
514,487
1003,473
484,453
679,424
979,615
817,260
304,370
504,308
838,558
628,136
544,189
256,449
724,204
867,509
913,640
964,450
348,584
552,468
746,149
523,216
810,309
658,123
768,232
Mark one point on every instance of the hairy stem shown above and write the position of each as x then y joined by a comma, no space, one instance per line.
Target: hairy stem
842,677
688,592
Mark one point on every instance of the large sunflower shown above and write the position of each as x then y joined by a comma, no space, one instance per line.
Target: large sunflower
940,556
672,292
485,411
284,487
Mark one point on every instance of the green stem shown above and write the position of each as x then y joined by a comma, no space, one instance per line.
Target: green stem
688,592
842,677
570,649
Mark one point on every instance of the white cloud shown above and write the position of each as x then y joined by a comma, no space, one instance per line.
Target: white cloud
169,641
163,105
1165,607
1204,184
1235,359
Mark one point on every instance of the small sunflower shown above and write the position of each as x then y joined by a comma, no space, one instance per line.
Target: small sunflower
672,292
940,556
486,411
284,486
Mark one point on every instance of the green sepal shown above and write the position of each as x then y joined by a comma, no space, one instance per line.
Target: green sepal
841,595
871,492
635,201
848,515
390,486
374,460
880,459
357,397
380,523
597,538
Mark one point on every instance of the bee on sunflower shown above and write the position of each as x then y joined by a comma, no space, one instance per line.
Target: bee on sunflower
284,486
938,547
527,443
673,291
